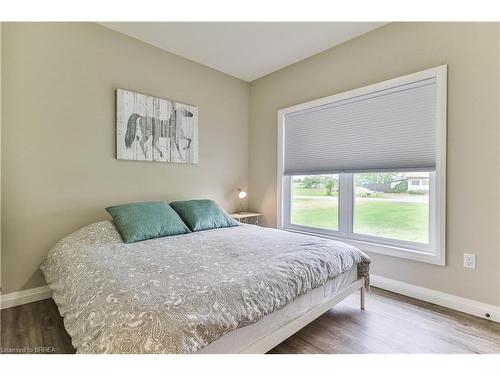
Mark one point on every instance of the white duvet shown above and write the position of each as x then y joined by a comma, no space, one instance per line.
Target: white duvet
177,294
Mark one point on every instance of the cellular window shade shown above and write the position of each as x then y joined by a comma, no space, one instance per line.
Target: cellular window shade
390,129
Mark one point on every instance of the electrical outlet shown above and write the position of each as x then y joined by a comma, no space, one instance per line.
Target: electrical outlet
469,261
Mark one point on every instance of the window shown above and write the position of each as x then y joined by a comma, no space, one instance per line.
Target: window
315,201
385,207
368,167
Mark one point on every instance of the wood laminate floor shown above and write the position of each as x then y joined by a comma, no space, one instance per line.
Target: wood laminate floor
391,323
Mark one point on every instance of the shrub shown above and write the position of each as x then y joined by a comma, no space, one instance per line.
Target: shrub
401,187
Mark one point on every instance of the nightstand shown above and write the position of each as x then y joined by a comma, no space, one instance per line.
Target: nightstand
244,217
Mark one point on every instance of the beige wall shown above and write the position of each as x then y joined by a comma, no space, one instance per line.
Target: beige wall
0,155
58,164
472,54
59,170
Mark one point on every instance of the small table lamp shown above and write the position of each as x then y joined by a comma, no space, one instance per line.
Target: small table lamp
242,194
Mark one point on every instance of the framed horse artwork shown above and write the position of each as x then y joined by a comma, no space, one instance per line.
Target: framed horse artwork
154,129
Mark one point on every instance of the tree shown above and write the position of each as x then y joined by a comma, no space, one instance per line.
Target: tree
311,182
330,184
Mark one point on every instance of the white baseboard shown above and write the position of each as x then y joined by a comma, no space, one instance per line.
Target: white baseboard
451,301
24,296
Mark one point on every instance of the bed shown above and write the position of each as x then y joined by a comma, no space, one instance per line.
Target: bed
241,289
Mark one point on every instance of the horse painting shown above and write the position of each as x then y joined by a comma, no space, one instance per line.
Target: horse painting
144,121
156,128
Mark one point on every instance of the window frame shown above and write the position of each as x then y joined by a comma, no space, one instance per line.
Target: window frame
435,251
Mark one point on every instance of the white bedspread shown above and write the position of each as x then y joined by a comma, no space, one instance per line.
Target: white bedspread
177,294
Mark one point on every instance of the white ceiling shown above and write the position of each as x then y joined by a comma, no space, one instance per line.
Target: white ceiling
246,50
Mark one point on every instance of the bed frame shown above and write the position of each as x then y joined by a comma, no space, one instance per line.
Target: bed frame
272,339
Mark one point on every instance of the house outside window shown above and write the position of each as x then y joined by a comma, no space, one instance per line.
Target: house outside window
417,183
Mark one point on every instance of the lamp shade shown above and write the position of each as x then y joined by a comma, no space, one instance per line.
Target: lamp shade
242,194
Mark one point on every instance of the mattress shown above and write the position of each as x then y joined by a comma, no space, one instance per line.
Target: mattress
237,340
179,294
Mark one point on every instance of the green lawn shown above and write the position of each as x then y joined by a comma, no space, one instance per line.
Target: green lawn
297,190
316,213
384,218
400,220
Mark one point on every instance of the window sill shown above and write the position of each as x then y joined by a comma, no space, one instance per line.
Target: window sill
377,248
